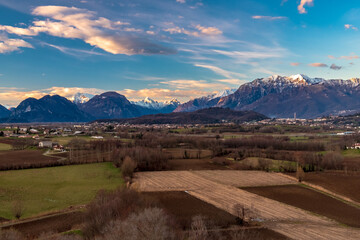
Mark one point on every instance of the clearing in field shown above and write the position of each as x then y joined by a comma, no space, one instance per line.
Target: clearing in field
5,147
50,189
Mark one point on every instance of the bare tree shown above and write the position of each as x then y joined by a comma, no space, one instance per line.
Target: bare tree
199,229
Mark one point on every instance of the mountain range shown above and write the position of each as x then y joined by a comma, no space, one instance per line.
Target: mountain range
274,96
281,97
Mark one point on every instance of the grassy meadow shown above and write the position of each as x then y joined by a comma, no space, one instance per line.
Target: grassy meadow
50,189
5,147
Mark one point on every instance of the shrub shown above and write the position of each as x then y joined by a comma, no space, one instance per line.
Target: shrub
111,206
127,167
10,234
17,209
151,223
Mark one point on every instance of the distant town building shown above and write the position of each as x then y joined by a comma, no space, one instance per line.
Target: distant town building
45,144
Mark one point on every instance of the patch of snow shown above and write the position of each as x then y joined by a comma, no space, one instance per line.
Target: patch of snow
80,98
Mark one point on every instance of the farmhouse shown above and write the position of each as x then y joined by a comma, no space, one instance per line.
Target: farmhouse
356,146
45,144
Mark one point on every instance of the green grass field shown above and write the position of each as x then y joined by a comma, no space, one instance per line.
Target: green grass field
5,147
351,153
66,140
50,189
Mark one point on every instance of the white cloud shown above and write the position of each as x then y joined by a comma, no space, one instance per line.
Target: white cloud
200,31
349,26
10,45
246,55
270,18
301,8
72,22
232,81
220,71
181,1
194,84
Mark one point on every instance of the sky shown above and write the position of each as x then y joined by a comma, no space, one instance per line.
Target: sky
165,49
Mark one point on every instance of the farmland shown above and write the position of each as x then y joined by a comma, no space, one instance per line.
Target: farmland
50,189
5,147
219,189
206,170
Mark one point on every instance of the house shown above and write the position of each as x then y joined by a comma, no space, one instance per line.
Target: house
97,137
58,148
45,144
356,146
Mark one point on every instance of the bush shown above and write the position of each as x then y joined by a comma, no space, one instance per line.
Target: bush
151,223
112,206
127,167
10,234
332,160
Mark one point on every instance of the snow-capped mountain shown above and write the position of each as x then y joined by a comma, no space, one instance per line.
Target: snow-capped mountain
282,96
203,102
160,107
278,96
80,98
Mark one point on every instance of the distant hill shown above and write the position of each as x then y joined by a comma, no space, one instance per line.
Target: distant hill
4,112
48,109
113,105
203,116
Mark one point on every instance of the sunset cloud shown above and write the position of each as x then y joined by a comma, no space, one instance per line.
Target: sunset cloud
10,45
295,64
301,8
76,23
350,57
318,65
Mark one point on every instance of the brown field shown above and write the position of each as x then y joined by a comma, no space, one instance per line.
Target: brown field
310,200
25,159
214,187
55,223
337,182
183,207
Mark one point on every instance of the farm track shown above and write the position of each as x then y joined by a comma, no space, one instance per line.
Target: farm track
220,188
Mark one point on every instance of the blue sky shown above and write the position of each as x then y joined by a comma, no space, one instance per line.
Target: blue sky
170,48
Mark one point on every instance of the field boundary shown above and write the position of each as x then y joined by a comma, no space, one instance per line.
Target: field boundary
327,192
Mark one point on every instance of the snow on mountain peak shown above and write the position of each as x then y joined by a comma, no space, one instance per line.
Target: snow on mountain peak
298,79
80,98
150,103
221,94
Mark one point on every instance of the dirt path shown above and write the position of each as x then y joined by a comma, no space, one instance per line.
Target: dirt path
219,188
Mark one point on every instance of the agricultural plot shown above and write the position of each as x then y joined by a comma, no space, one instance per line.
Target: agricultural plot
219,188
301,197
337,182
24,159
5,147
51,189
